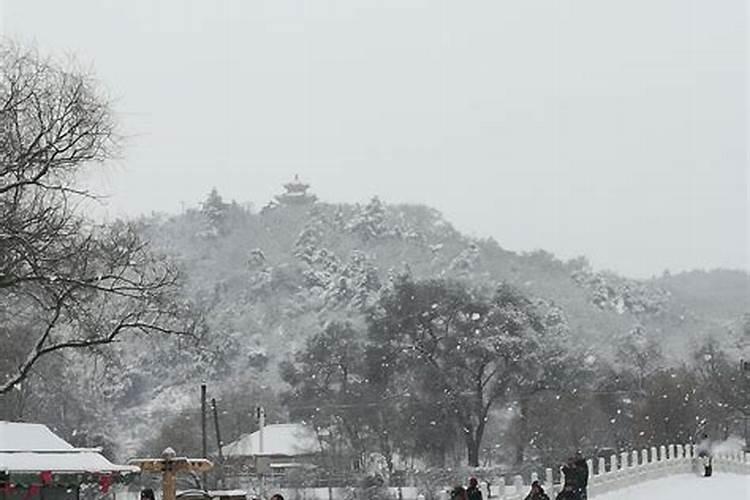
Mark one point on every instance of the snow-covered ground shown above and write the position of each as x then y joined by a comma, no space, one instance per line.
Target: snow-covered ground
687,487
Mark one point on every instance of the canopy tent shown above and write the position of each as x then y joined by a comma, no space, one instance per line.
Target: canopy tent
34,462
32,448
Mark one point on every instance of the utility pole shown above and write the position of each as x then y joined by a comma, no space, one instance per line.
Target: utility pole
260,414
219,444
745,377
203,431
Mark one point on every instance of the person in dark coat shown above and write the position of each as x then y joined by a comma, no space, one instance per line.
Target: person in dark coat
567,493
582,475
473,492
537,492
572,479
570,475
458,493
705,456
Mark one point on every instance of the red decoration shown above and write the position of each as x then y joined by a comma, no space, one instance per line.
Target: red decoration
8,488
105,482
46,477
33,491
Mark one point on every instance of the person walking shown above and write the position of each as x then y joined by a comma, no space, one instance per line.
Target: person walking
458,493
473,492
537,492
571,484
570,479
705,455
567,493
582,475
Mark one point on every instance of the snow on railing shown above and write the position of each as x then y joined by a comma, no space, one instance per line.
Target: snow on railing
624,470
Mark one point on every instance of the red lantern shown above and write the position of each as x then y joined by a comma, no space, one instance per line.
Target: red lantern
32,492
105,482
46,477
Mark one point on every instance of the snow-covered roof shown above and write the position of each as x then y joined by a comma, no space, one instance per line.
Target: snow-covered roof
27,448
288,440
24,437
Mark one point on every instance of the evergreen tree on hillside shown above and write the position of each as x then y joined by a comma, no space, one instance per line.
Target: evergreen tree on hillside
370,222
215,210
355,286
466,261
309,241
610,291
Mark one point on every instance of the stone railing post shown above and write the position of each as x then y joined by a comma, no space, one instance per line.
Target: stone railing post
645,465
518,483
549,480
501,488
624,466
664,464
681,459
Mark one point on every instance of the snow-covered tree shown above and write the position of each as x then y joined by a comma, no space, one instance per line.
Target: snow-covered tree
370,221
639,354
216,211
470,351
328,389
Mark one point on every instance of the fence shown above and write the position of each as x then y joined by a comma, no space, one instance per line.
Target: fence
624,470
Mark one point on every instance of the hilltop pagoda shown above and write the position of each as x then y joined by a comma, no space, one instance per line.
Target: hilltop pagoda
296,193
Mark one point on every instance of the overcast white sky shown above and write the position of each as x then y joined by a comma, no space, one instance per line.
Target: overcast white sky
616,129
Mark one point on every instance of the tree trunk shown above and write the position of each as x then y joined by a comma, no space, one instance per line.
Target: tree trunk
473,443
472,448
523,424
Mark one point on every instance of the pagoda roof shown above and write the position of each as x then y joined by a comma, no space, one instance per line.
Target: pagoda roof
296,186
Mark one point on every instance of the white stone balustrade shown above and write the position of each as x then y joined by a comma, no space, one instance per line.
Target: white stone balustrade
629,469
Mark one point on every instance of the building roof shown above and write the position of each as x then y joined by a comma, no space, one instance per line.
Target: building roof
24,437
289,440
27,448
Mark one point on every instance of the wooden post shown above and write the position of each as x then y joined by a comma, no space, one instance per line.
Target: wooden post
169,466
169,485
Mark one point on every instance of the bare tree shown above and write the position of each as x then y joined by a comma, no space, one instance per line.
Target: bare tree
66,283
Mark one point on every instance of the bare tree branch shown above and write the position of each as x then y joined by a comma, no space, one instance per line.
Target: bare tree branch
66,283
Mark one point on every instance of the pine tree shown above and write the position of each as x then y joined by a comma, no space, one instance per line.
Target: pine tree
370,222
215,210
